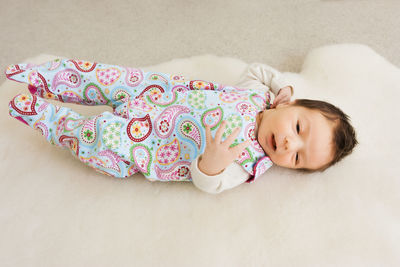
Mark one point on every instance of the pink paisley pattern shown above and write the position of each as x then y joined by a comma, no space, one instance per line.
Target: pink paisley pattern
177,78
140,154
133,77
260,167
179,89
112,160
168,153
34,79
71,97
157,99
246,108
68,77
165,122
108,162
139,128
70,141
133,169
43,106
42,128
230,97
249,132
180,171
257,147
88,132
157,77
60,125
140,104
141,101
55,64
190,130
107,76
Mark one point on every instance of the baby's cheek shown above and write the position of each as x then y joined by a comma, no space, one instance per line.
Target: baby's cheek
260,137
276,161
282,161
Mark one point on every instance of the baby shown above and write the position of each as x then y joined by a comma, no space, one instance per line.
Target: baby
163,125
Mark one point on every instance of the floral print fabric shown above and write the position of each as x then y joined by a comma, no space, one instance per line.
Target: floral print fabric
158,124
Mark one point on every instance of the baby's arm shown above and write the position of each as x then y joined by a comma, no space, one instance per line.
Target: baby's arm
262,76
232,176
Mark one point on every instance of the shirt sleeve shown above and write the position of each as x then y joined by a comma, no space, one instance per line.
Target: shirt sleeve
232,176
261,76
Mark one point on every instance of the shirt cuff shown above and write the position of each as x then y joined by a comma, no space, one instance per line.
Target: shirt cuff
232,176
207,183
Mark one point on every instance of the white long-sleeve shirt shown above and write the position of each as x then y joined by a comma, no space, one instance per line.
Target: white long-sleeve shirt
256,76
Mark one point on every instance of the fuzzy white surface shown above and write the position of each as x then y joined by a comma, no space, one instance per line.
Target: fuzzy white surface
55,211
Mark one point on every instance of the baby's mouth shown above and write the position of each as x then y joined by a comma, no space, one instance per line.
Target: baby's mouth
273,142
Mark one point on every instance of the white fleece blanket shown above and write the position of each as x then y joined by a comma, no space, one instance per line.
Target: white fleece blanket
55,211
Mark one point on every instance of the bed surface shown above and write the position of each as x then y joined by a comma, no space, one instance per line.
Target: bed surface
55,211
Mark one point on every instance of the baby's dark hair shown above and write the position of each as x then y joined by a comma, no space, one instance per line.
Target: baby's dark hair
344,135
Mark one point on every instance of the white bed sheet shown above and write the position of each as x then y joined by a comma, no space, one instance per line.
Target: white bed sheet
55,211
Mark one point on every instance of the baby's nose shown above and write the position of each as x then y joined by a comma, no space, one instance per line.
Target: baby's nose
291,144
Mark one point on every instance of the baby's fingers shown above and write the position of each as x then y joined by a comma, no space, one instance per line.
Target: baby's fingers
220,131
236,150
276,101
280,99
229,140
208,135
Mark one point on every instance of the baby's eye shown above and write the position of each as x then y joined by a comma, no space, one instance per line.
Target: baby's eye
298,127
297,158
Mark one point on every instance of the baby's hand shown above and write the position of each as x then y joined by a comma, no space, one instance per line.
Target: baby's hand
218,155
283,96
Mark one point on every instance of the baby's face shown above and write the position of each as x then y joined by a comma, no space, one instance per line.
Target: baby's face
296,137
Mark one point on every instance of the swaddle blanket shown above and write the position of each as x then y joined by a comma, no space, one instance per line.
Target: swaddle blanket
158,124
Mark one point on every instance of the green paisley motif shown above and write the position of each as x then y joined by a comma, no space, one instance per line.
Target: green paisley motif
212,115
112,135
232,122
249,160
197,99
104,100
251,98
